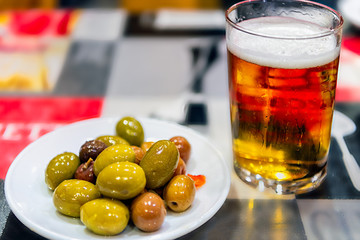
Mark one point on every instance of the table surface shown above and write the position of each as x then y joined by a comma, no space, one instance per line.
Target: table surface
102,74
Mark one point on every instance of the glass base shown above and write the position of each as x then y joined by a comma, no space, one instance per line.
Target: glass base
282,187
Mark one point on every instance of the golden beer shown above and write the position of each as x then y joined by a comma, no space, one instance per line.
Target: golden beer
282,93
281,118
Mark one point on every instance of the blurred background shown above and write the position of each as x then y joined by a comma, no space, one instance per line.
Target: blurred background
35,34
131,5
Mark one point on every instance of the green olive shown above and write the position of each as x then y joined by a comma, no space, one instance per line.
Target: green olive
159,163
105,216
121,180
111,140
131,130
180,193
60,168
112,154
71,194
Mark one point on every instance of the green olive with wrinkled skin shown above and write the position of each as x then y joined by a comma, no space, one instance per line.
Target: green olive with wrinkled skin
111,140
105,216
121,180
112,154
71,194
131,130
159,163
60,168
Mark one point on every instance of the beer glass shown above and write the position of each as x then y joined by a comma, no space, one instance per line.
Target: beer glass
283,58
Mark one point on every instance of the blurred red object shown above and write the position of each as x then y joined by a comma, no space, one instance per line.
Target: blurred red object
352,44
29,30
40,22
25,119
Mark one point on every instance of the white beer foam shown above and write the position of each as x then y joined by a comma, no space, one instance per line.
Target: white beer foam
282,53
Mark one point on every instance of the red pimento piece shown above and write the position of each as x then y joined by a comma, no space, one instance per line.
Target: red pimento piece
198,179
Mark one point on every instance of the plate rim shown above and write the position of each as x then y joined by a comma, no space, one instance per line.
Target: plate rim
174,234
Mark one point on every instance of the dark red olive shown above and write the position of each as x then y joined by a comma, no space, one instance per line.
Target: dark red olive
86,172
91,149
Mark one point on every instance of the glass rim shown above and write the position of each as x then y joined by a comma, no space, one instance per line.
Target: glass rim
309,36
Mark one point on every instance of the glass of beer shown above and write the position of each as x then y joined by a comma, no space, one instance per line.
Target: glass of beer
283,58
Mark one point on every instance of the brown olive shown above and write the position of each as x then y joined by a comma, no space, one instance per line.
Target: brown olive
183,146
91,149
148,212
86,171
180,193
159,191
139,154
181,168
146,145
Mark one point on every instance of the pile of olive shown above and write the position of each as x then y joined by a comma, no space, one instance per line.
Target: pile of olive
117,178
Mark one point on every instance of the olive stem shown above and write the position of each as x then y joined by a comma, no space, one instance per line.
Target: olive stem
87,164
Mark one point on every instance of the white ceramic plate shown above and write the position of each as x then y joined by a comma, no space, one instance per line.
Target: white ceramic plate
31,201
350,9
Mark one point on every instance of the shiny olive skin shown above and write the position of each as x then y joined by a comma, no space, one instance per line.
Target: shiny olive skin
111,140
159,163
183,146
131,130
148,211
60,168
121,180
71,194
105,216
180,192
112,154
91,149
